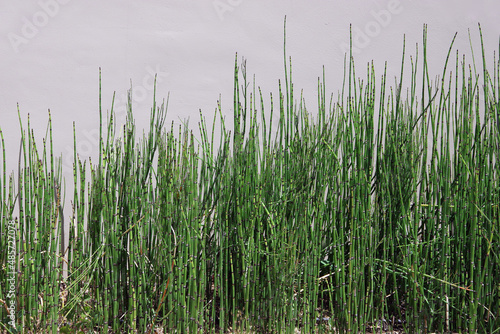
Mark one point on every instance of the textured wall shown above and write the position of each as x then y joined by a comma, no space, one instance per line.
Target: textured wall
52,50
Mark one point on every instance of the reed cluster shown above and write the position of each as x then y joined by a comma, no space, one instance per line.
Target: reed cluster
379,213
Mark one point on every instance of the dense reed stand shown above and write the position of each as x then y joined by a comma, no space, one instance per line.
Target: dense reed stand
379,213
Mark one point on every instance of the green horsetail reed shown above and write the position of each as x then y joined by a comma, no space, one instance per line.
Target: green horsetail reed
377,212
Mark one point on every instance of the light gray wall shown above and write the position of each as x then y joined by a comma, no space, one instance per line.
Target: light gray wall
52,50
